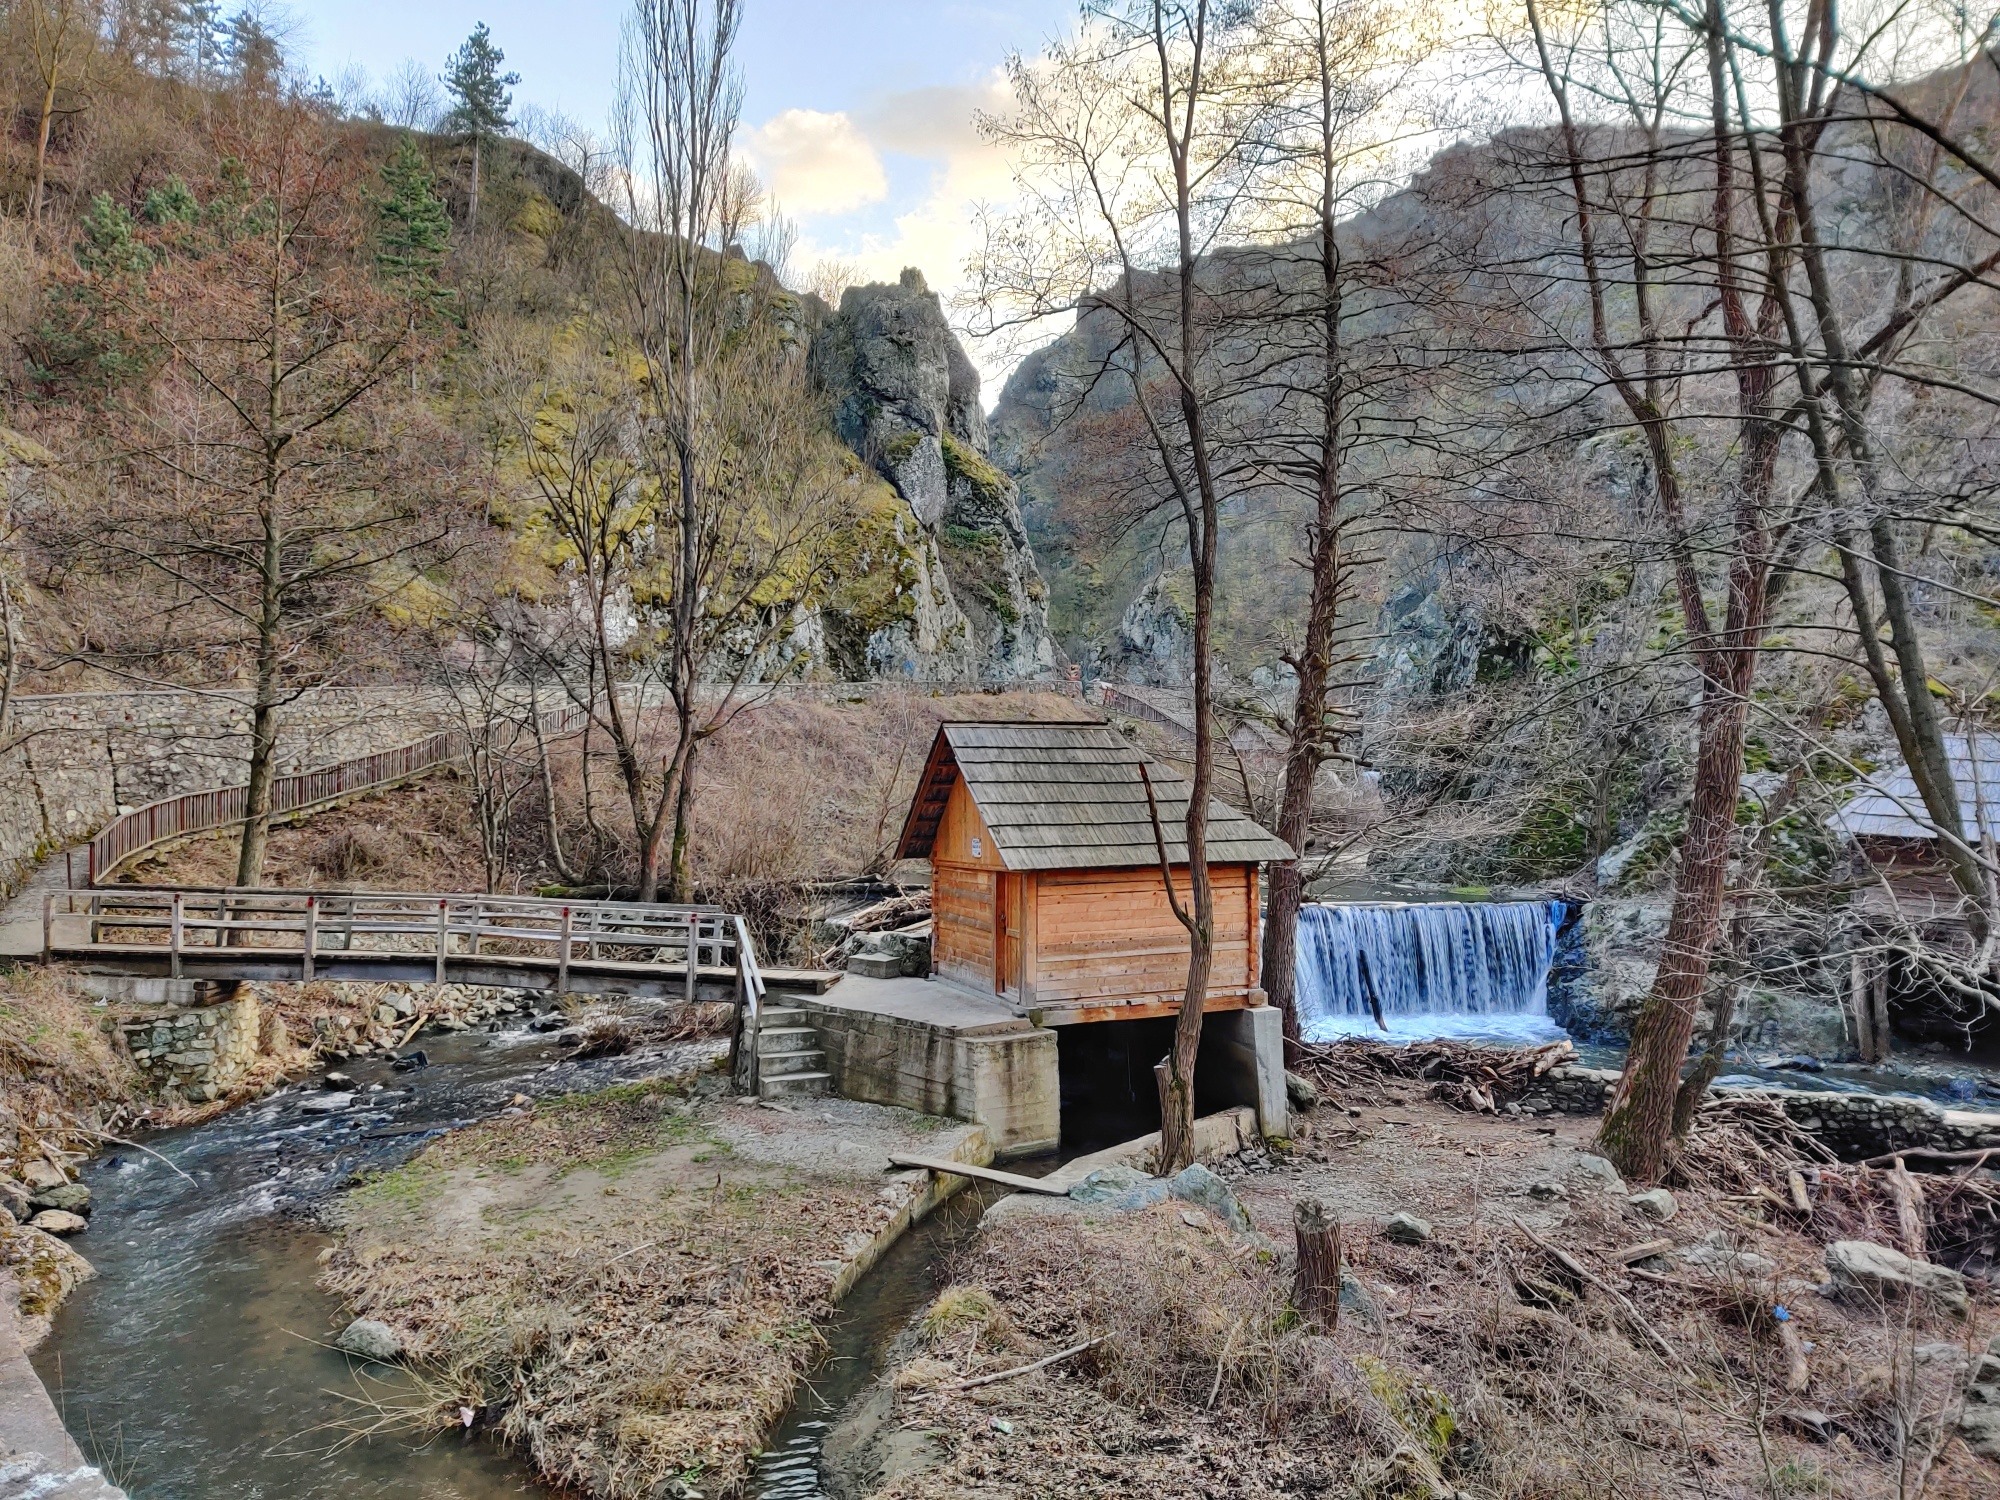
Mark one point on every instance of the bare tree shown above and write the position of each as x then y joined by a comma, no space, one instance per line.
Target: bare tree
62,35
261,466
1133,141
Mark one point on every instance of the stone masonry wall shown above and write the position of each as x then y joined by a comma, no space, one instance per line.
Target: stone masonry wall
199,1053
80,758
1852,1126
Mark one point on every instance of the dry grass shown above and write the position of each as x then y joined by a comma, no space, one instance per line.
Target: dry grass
604,1285
419,837
1494,1370
60,1073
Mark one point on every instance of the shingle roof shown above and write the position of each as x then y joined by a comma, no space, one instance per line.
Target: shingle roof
1889,805
1069,797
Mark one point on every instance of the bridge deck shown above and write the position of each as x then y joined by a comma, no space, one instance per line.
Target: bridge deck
696,953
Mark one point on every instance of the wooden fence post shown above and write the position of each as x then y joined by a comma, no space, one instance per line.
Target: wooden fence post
443,937
562,957
1316,1283
693,952
311,939
48,927
174,941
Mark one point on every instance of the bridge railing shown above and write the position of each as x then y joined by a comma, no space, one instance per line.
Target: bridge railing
672,942
134,832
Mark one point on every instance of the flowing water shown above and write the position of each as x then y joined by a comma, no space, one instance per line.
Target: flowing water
1405,971
195,1366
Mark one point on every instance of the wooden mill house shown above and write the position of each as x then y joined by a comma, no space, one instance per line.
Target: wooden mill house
1046,882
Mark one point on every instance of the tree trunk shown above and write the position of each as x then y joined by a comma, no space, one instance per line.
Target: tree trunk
42,155
472,205
1639,1126
680,874
1316,1282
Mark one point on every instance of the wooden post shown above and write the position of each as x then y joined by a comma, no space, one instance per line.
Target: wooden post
174,940
444,936
311,940
478,921
562,957
1879,996
693,953
48,927
1859,1010
1316,1284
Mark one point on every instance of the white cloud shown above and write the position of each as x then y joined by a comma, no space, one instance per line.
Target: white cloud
816,163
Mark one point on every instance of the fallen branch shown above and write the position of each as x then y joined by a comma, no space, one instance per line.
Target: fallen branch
1583,1273
1041,1364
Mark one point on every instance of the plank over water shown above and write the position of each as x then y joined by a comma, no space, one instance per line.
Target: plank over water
984,1174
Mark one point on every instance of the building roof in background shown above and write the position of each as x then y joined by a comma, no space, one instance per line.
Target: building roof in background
1069,797
1890,807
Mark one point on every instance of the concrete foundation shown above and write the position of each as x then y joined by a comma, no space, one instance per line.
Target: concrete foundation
928,1045
1246,1048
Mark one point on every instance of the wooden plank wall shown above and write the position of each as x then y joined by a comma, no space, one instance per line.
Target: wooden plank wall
962,894
1109,935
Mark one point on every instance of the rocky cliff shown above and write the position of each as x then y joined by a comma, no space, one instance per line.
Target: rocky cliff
960,596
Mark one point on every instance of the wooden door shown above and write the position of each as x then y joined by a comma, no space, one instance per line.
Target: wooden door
1006,933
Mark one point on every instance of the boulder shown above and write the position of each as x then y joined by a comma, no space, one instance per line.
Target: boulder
70,1198
1105,1183
368,1339
1301,1093
1979,1418
40,1176
1197,1185
1866,1269
56,1221
1717,1255
1406,1229
1656,1204
1358,1302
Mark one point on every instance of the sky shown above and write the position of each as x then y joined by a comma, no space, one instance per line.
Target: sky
858,114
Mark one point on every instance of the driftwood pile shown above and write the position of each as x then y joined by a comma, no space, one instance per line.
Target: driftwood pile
890,914
1461,1074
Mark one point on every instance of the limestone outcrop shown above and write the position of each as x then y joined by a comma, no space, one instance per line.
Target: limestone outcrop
964,598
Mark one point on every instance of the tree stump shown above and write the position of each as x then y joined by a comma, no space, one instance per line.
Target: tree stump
1316,1284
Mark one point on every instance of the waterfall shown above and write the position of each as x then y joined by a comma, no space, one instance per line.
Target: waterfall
1440,968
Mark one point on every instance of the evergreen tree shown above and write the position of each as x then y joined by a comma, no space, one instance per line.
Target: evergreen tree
411,228
480,99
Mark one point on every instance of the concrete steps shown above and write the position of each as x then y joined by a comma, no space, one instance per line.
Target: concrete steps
790,1061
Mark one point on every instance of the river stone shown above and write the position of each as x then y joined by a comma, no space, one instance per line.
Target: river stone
1358,1301
370,1339
70,1198
1598,1167
1716,1254
326,1104
1862,1267
1105,1183
1301,1093
1657,1204
40,1176
1406,1229
56,1221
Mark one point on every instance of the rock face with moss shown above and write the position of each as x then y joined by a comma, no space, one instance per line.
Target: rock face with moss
967,599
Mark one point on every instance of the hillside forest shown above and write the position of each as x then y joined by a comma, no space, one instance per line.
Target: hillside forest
1560,446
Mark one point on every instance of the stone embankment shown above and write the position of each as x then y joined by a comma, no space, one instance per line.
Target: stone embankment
1853,1126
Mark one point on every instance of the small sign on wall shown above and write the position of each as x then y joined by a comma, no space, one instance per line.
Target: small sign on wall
978,849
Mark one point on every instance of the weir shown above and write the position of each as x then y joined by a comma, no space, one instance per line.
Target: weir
1424,969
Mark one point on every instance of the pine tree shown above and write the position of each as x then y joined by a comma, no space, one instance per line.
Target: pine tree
412,229
481,100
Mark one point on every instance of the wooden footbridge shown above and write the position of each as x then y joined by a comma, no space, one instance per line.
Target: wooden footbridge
563,947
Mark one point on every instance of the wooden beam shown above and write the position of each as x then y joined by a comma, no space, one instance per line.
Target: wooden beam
984,1174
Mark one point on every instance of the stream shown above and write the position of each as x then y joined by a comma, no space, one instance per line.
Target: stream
195,1366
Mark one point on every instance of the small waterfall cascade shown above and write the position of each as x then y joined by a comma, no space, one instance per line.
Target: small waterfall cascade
1424,969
